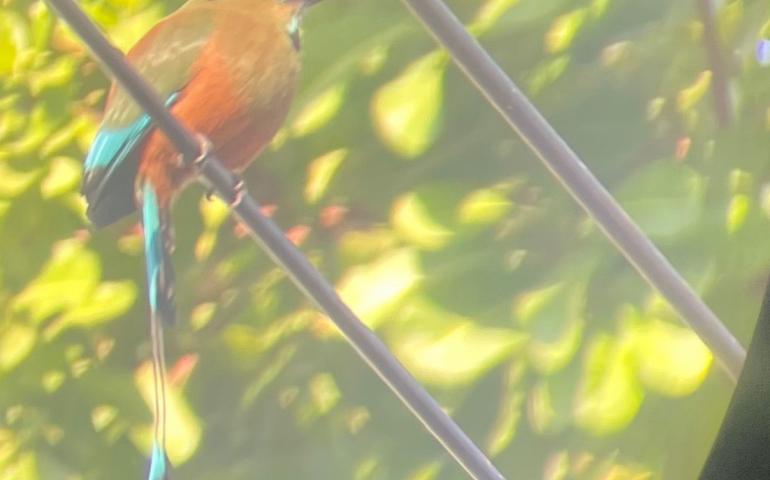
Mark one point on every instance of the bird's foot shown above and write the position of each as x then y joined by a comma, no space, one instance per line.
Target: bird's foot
204,150
239,191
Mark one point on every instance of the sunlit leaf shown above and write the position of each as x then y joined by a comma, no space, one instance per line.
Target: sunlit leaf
202,314
39,126
599,7
553,316
484,206
16,342
510,410
321,171
110,300
319,111
671,359
64,176
429,471
67,281
407,110
65,136
214,211
445,349
14,182
417,217
52,380
456,354
691,95
359,246
489,13
102,416
548,72
324,392
54,75
530,304
372,290
8,50
610,394
564,29
24,467
737,211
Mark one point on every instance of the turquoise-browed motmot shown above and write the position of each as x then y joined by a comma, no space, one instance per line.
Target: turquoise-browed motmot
227,70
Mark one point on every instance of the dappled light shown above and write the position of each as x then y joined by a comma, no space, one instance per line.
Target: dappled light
436,225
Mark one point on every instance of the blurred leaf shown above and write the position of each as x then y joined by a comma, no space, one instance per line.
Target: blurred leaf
564,29
359,246
16,342
489,13
319,111
8,47
23,467
63,177
509,413
56,74
422,218
547,73
109,300
321,171
373,290
324,395
445,349
214,212
554,317
407,110
672,360
485,206
676,205
427,472
66,282
610,394
691,95
13,182
737,212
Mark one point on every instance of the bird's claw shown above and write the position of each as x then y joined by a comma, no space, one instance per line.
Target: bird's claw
204,148
239,190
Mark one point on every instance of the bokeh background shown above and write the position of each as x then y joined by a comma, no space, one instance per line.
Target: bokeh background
433,220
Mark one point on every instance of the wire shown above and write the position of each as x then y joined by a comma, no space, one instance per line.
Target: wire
275,244
577,179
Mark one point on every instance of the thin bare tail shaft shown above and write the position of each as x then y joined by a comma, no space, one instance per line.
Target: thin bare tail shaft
158,242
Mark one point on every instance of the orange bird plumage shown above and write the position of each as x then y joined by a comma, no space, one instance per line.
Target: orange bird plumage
227,70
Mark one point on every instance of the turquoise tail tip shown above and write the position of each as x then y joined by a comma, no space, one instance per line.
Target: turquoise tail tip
159,468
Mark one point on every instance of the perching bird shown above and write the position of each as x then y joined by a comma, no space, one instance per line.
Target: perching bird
227,70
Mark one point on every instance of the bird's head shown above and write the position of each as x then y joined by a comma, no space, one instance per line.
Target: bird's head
291,11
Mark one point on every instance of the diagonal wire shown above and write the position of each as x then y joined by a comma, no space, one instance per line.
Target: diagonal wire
274,242
569,169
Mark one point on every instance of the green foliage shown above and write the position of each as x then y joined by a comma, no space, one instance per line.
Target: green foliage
435,223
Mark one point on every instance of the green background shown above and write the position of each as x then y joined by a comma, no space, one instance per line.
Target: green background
436,224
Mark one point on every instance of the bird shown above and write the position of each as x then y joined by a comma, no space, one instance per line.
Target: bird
227,70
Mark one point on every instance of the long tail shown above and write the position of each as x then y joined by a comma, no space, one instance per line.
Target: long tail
160,285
